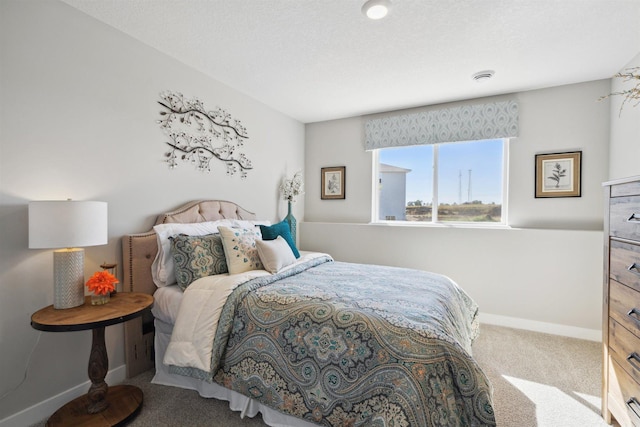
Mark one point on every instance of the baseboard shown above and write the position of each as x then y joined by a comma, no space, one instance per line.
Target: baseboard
46,408
547,328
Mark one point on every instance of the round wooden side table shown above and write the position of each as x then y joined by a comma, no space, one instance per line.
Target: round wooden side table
102,405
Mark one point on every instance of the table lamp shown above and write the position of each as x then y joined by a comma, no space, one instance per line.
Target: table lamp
67,226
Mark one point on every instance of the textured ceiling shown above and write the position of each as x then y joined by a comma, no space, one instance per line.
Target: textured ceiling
317,60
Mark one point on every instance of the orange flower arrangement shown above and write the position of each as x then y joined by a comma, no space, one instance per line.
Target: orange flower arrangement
102,283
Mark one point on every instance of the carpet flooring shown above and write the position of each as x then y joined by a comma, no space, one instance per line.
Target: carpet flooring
538,380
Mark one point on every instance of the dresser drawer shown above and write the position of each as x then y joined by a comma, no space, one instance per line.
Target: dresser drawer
624,396
624,307
625,349
624,217
624,264
626,189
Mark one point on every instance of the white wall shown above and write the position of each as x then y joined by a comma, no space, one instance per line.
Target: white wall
550,271
625,129
78,120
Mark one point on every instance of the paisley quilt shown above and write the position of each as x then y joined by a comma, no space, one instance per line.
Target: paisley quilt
341,344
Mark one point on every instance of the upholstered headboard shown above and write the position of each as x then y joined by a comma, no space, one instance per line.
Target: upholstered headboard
139,250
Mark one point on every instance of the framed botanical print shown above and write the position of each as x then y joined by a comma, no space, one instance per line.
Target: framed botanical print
332,180
558,174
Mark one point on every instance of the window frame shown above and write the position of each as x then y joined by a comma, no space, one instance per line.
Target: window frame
375,205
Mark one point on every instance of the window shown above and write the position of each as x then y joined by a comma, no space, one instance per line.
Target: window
464,181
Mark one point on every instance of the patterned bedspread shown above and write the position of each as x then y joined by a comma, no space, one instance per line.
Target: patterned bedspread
342,344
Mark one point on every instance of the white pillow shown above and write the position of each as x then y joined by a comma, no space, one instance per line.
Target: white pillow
240,248
275,254
163,269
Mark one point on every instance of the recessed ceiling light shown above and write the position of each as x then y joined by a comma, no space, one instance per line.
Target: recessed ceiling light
376,9
483,76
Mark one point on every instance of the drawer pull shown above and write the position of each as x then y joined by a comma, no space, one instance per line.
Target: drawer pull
633,314
633,217
635,267
633,402
635,358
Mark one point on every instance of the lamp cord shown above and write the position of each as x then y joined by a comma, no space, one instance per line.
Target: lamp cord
26,369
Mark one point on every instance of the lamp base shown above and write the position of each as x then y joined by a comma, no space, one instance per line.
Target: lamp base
68,278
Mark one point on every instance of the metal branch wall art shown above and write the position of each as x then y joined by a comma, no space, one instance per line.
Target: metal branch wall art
197,136
632,94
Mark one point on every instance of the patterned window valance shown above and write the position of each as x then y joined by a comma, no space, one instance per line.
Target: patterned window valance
466,123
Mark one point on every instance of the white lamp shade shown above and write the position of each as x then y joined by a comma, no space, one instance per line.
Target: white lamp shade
67,224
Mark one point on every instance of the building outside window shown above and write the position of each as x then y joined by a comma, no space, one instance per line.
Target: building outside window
392,185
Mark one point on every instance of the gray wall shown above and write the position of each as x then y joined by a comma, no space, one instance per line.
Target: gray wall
545,273
78,120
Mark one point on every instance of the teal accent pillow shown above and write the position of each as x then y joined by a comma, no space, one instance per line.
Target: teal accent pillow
280,229
196,257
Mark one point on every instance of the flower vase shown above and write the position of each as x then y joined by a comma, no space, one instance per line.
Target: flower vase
98,299
292,222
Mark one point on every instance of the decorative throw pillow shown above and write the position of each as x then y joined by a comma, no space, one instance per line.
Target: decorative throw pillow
162,269
240,248
275,254
196,257
280,229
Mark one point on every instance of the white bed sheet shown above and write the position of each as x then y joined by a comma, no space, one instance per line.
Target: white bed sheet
166,303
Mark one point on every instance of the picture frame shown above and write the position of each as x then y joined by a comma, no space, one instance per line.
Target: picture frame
559,175
332,183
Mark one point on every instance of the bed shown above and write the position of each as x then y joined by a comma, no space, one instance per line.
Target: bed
313,342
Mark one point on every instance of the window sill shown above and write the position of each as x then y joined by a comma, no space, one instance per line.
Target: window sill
441,224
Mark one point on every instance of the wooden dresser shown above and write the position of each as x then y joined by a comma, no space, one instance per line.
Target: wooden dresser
621,303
